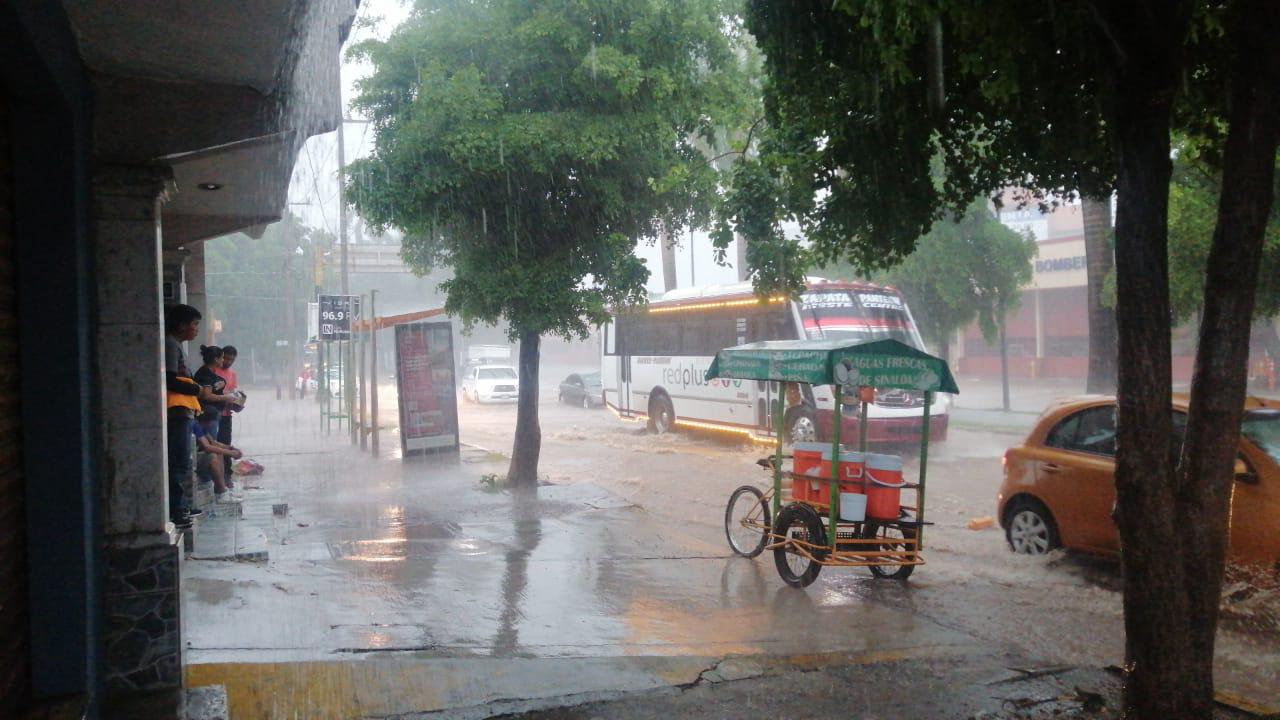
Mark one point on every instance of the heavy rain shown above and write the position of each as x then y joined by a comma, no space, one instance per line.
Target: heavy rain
646,359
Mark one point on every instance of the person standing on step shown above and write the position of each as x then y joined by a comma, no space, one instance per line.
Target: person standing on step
182,402
206,377
229,354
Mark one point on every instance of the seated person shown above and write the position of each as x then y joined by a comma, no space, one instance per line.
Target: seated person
209,462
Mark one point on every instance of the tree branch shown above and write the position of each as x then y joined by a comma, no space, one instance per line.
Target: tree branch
745,145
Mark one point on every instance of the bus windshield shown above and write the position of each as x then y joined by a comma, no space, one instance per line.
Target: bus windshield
497,373
861,315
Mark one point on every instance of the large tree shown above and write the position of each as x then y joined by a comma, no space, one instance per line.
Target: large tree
529,145
863,95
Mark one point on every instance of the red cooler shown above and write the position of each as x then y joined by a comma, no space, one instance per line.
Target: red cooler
818,490
808,457
884,486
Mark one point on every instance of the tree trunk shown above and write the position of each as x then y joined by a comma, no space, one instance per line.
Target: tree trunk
1004,358
1205,471
667,244
1144,41
523,471
1102,319
944,345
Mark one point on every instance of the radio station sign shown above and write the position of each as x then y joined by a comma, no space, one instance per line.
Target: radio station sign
335,315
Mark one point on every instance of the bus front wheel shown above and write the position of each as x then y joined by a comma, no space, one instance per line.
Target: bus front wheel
662,417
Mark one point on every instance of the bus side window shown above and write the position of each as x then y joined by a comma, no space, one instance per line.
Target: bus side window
664,335
720,333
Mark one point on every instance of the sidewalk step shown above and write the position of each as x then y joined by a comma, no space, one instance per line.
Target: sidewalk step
237,530
207,702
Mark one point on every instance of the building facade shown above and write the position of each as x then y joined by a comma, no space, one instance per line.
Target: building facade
1048,334
129,134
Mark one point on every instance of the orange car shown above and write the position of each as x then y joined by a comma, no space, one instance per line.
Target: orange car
1058,488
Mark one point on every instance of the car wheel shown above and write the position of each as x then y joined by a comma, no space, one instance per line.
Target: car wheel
801,426
662,417
560,398
1030,529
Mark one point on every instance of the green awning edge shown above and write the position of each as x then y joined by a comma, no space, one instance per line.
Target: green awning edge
877,363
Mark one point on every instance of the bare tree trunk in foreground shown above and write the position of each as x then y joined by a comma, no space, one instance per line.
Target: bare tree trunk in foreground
523,470
1206,470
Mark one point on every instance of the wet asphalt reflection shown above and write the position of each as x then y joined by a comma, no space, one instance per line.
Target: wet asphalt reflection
414,557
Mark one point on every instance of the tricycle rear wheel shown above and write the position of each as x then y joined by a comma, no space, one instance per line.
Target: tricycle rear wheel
889,533
799,522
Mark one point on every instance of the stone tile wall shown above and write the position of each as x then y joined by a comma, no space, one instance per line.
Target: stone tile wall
143,619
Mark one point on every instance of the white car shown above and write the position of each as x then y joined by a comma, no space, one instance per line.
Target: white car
491,383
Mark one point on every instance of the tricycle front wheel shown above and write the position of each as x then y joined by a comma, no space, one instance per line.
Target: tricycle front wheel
799,522
746,521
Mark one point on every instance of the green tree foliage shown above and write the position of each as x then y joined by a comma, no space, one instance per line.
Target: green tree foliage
1193,213
530,145
854,144
252,281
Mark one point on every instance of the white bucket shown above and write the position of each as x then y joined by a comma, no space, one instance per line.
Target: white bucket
853,507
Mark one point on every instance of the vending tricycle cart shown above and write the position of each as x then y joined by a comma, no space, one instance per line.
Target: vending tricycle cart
874,529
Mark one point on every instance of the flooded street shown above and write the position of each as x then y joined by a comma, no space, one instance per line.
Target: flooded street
615,577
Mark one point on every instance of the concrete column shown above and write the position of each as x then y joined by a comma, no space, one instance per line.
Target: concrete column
142,623
193,274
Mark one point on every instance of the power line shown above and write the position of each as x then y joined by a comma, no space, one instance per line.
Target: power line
315,183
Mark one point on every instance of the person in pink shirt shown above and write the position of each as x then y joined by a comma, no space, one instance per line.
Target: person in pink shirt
229,354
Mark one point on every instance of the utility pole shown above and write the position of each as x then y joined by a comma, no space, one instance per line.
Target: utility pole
290,351
342,201
373,367
362,347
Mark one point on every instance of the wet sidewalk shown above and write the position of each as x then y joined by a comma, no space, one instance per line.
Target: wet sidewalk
404,589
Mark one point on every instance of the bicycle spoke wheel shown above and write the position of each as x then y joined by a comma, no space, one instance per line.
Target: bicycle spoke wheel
746,521
892,537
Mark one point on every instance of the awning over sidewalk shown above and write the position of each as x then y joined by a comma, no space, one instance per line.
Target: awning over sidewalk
381,323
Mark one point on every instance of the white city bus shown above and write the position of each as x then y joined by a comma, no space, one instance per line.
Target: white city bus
654,361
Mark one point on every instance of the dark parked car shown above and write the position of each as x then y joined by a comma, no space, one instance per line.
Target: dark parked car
583,389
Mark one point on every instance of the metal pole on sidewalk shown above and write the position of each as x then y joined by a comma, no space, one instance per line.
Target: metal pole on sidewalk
373,368
322,385
362,348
